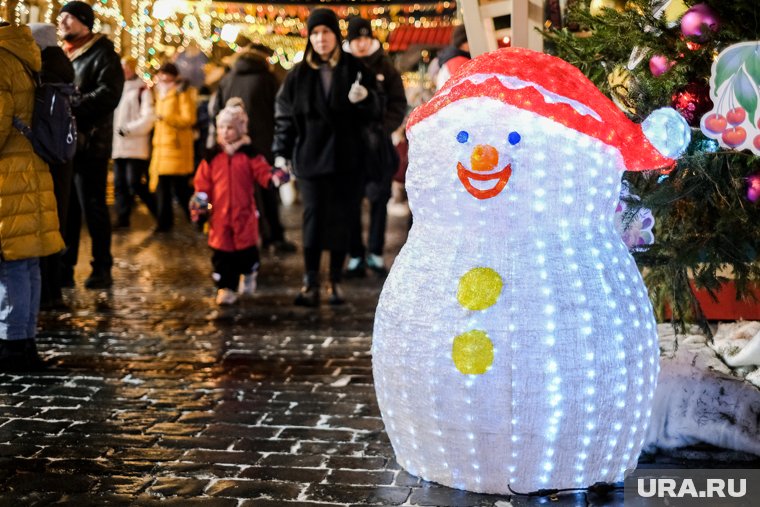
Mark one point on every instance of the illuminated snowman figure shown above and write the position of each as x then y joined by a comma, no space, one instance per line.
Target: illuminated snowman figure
514,340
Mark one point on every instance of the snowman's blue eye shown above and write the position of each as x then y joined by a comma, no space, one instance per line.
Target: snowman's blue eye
513,138
463,136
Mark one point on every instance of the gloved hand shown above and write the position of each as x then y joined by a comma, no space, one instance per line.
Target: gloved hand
199,208
357,93
279,176
281,162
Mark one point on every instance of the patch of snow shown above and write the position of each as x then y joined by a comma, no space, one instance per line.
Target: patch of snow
699,398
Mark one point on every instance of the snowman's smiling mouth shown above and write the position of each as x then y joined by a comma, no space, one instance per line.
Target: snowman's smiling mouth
500,178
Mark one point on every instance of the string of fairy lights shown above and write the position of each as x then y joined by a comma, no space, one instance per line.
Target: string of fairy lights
151,29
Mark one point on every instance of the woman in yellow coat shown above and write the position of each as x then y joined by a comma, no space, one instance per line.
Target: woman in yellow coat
172,161
28,216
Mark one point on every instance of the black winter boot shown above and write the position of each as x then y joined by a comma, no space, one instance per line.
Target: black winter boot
20,355
336,294
309,295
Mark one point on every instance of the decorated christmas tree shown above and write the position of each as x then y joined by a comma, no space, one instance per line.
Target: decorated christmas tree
703,59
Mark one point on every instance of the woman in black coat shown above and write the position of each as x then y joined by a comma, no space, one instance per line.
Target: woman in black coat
320,115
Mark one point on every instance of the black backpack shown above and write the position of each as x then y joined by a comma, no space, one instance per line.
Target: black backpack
53,132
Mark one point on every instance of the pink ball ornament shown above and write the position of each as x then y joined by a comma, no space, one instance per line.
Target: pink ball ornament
695,18
659,65
753,187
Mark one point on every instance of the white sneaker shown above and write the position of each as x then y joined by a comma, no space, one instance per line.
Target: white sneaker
248,284
225,297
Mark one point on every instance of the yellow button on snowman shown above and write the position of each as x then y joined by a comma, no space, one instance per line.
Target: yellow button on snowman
479,289
514,341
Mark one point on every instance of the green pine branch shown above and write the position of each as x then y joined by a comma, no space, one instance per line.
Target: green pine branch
706,233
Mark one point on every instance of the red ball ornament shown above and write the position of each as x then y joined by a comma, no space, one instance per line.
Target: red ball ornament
696,18
693,101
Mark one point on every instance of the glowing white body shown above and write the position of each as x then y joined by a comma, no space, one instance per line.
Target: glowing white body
566,400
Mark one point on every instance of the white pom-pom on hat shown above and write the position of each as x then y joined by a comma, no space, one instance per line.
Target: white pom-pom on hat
668,132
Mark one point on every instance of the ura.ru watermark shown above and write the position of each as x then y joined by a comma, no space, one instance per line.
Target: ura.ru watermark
693,488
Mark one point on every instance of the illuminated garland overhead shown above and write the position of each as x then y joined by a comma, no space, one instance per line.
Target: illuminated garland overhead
155,27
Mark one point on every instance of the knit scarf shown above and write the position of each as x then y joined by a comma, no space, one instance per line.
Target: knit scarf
76,48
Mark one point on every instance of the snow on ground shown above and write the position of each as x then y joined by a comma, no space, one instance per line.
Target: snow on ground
700,398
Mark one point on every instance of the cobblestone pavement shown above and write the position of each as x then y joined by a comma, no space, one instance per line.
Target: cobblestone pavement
156,397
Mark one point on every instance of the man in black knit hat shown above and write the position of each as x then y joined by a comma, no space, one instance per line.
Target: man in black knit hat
100,80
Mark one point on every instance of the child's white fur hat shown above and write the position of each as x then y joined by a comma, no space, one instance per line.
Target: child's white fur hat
234,114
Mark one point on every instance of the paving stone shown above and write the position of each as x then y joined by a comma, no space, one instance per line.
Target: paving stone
198,442
317,434
23,483
123,485
174,429
266,502
262,445
240,431
146,501
253,489
404,478
173,486
222,457
94,500
331,448
149,454
357,423
440,496
199,470
357,462
288,474
23,450
78,466
360,477
20,426
292,460
358,494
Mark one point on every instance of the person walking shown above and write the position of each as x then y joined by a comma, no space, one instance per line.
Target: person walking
226,180
324,105
172,161
56,68
132,125
100,80
28,217
251,78
364,46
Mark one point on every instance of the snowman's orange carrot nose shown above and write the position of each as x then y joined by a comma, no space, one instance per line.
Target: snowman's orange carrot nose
484,158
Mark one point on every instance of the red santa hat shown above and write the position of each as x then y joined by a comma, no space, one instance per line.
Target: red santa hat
553,88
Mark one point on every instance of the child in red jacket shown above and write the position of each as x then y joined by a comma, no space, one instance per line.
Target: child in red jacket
227,177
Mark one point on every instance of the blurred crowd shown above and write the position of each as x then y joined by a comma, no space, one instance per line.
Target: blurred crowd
225,149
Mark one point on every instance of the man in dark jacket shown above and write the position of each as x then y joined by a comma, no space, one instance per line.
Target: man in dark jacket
368,49
56,68
252,79
100,80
